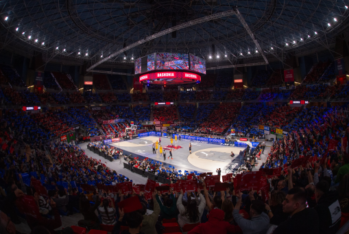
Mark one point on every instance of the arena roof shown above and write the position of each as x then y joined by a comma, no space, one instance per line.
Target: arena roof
242,33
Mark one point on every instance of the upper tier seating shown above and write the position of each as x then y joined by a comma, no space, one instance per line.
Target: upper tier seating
281,116
92,97
235,95
64,81
246,114
14,96
30,98
187,96
316,72
165,113
138,97
51,123
171,95
203,95
343,94
250,95
124,97
219,95
124,112
108,97
76,97
220,118
155,96
61,98
142,113
204,111
186,111
100,82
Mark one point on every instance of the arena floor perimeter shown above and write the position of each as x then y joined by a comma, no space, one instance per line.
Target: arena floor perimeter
204,157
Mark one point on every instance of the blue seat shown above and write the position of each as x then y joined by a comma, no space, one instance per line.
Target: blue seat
179,171
73,184
65,185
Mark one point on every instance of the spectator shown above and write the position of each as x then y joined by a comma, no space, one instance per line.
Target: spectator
107,211
274,209
259,222
343,170
302,219
61,200
215,224
90,220
328,208
149,221
133,220
192,212
168,208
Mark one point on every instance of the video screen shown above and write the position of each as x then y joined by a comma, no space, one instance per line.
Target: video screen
172,61
151,62
138,66
197,64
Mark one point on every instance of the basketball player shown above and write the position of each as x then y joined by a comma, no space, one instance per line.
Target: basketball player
165,155
170,154
190,147
154,152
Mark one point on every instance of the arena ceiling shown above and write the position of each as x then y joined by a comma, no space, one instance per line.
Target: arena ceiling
93,31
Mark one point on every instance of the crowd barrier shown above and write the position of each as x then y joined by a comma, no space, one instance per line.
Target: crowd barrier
202,139
145,134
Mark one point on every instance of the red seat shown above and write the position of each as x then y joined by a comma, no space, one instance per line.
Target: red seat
97,232
189,227
171,228
174,220
108,228
78,230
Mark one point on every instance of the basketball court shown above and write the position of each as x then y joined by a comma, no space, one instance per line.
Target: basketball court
204,157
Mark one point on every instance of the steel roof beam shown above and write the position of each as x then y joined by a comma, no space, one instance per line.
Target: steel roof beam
247,28
165,32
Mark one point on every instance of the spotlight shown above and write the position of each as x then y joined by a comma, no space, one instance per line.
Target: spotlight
124,57
335,19
64,50
23,33
57,48
308,36
271,48
210,57
346,7
102,56
6,18
218,56
86,54
17,29
286,44
294,42
79,53
248,52
43,43
29,37
225,55
131,58
36,40
301,38
256,51
315,32
328,24
241,54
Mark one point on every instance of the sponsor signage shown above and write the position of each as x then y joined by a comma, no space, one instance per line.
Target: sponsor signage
243,139
279,131
88,83
31,108
107,141
170,75
301,102
64,138
266,128
288,75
